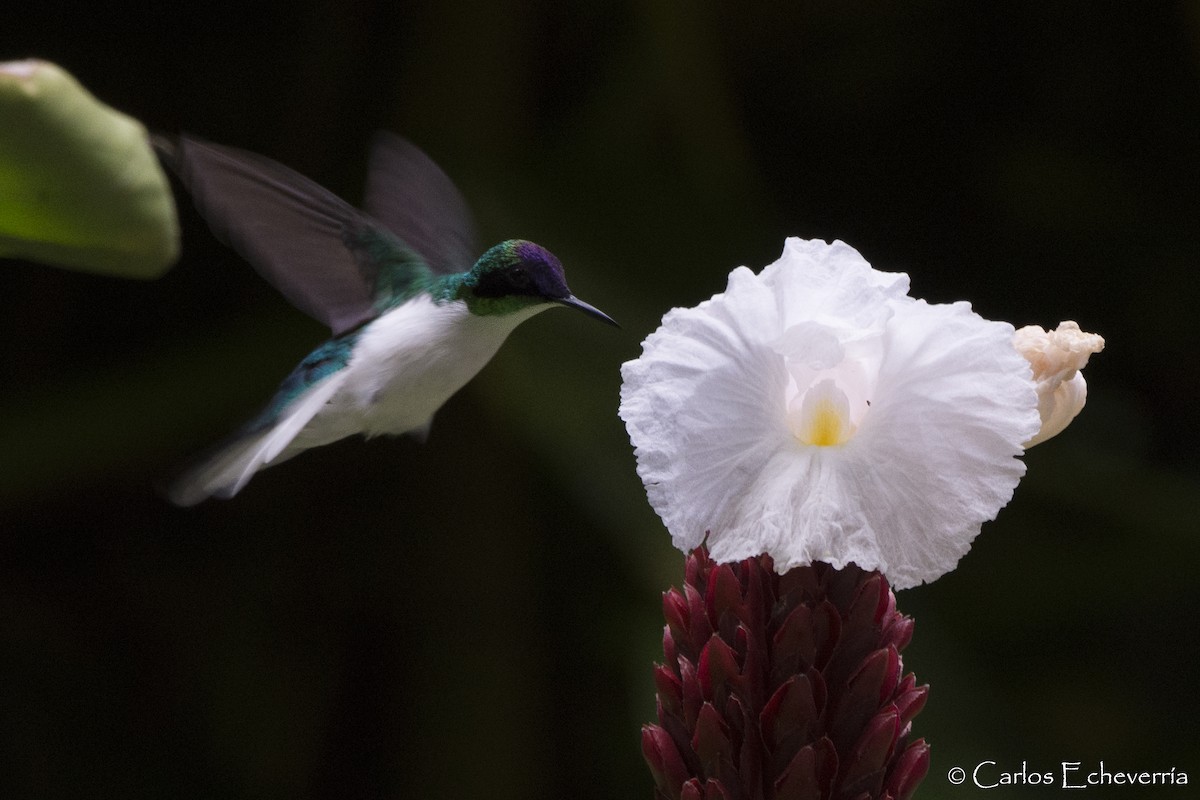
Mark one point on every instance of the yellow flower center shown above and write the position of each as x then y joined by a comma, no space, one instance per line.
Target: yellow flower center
824,416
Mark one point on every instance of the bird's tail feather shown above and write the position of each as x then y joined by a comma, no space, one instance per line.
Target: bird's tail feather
224,473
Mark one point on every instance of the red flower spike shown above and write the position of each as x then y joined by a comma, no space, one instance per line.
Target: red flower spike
793,715
670,654
675,611
795,641
664,760
806,638
909,770
711,790
714,791
891,677
711,740
694,570
693,695
755,589
715,748
860,632
749,742
910,699
899,632
785,686
871,685
755,668
699,626
870,756
669,689
810,774
724,596
886,610
718,671
740,637
827,622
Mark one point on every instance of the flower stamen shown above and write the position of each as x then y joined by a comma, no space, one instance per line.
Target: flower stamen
824,416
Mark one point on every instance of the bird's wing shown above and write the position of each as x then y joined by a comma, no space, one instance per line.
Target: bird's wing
226,471
302,238
411,195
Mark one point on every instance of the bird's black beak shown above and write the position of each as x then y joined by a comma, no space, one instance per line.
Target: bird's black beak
571,301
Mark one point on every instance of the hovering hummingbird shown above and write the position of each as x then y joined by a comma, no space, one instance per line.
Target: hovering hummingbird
415,314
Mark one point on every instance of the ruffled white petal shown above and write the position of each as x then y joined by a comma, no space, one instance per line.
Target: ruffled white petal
816,412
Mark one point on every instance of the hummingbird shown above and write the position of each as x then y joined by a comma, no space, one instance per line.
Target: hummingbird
414,311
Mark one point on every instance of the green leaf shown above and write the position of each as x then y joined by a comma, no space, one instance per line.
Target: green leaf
79,185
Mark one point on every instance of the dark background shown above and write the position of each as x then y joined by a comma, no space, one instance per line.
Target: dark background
476,617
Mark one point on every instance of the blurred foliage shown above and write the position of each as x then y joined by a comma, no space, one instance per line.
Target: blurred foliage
79,185
475,617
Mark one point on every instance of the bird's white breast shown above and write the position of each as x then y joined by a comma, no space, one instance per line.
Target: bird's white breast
408,362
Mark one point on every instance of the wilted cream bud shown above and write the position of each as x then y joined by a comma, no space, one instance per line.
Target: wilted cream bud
1056,357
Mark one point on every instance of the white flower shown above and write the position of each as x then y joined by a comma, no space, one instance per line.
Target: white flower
816,412
1056,357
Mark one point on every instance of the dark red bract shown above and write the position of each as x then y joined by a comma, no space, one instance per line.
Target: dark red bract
783,687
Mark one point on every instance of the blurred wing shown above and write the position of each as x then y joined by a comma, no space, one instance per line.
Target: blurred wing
225,472
289,228
411,195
